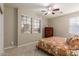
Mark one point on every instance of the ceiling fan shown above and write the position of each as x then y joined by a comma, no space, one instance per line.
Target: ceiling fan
51,9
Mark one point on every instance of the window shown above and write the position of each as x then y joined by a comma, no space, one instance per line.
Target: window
30,25
74,25
36,24
26,24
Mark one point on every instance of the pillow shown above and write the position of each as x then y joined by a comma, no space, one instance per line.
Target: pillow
73,42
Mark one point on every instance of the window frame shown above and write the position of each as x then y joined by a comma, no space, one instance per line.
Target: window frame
24,29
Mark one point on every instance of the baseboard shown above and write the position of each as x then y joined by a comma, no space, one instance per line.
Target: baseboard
9,47
20,45
27,44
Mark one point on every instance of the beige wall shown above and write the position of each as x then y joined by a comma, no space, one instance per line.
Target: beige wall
1,29
12,27
24,38
9,27
61,24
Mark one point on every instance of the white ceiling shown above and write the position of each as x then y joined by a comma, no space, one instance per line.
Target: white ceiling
66,8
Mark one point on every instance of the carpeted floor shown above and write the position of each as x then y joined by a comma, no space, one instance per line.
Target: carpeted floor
29,50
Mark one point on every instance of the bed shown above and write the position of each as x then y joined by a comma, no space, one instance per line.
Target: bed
57,46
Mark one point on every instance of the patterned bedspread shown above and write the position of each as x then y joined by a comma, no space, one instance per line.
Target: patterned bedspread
55,46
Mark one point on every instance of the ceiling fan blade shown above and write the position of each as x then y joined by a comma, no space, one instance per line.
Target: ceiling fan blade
56,9
45,13
53,13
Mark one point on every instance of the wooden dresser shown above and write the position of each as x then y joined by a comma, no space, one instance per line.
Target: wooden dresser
48,32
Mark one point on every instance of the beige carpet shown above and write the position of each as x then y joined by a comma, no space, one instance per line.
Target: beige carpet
29,50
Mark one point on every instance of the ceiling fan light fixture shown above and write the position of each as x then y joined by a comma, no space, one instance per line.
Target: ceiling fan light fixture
49,12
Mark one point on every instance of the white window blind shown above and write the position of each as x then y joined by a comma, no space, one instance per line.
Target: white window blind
74,25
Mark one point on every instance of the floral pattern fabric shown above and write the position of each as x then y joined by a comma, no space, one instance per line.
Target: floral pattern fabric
55,46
